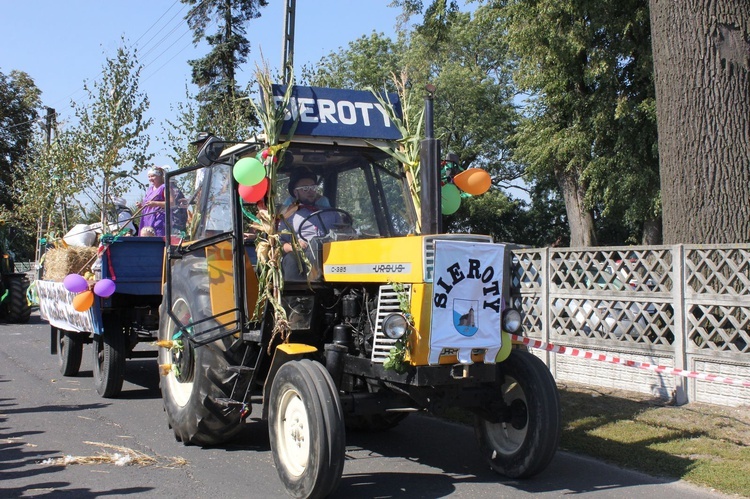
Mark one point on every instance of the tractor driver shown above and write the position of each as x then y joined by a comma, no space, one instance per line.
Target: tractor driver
305,200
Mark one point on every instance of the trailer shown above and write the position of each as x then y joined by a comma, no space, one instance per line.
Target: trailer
113,325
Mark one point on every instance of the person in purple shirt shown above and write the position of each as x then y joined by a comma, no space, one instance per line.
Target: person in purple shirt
153,204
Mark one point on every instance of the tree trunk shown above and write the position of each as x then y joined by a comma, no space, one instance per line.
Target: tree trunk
652,234
701,63
580,219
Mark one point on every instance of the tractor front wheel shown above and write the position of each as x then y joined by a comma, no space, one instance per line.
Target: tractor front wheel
306,429
522,439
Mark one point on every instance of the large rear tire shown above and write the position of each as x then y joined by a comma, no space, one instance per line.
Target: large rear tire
199,376
110,351
19,309
69,351
306,429
523,443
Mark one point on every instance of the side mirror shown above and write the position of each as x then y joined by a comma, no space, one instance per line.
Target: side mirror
210,151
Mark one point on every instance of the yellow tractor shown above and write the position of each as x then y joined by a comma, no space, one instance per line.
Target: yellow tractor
385,320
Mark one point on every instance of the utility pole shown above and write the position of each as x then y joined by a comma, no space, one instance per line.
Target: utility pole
49,125
287,51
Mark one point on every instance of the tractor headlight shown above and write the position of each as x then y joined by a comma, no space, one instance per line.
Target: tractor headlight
395,326
512,320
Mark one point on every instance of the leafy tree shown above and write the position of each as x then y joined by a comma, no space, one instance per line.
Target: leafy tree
111,137
19,103
369,61
590,122
220,97
463,57
702,68
51,183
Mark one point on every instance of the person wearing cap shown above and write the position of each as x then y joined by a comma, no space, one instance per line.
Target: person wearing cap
124,217
154,203
305,200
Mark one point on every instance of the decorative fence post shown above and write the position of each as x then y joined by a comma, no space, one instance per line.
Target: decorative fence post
680,322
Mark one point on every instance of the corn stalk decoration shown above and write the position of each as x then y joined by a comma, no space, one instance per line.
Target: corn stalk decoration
268,242
410,124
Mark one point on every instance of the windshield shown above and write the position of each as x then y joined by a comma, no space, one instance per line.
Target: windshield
363,182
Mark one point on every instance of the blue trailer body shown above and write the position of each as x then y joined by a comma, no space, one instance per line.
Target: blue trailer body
134,263
137,264
113,325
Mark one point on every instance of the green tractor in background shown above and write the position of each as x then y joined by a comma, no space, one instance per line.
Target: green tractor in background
14,307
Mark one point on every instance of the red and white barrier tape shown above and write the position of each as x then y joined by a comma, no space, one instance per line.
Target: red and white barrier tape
630,363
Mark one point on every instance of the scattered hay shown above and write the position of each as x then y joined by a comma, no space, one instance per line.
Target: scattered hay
59,262
122,456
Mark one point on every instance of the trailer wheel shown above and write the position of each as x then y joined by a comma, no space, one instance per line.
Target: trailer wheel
110,351
19,310
69,351
525,439
306,429
196,377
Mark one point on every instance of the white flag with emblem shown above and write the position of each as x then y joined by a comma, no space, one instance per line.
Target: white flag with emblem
467,300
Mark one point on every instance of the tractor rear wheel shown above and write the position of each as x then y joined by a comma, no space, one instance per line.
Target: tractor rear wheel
525,437
195,378
19,310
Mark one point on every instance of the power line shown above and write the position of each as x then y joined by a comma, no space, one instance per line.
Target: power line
161,40
156,22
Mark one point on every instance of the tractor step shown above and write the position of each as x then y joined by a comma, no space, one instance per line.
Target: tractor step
206,337
227,402
254,335
240,369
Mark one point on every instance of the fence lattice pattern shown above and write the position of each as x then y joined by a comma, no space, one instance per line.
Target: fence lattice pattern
673,301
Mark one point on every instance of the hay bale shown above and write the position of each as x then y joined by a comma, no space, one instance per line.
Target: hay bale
59,262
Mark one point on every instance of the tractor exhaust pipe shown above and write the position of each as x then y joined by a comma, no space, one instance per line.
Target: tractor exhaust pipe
429,171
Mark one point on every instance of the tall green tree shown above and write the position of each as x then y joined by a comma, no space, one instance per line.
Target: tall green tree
590,123
702,71
49,187
111,134
19,104
221,98
369,61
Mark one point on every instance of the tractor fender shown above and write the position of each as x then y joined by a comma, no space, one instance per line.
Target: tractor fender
284,353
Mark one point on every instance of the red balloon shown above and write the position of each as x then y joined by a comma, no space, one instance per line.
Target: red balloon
253,193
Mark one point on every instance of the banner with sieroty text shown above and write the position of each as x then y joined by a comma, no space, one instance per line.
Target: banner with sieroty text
467,301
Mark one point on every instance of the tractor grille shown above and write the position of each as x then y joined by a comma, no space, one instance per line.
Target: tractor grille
387,304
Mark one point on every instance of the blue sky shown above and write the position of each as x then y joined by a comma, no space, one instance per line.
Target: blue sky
61,43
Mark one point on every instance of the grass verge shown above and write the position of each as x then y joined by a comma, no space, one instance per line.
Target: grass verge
703,444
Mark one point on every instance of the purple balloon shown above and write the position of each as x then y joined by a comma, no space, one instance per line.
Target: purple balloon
104,288
75,283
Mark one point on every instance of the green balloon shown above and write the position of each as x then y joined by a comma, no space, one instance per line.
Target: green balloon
248,171
451,199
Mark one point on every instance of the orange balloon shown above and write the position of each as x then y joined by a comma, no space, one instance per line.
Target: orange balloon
474,181
83,301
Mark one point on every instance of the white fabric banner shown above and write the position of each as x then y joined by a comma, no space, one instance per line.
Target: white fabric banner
467,300
56,307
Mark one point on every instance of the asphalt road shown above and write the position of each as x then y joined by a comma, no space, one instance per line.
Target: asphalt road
45,417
